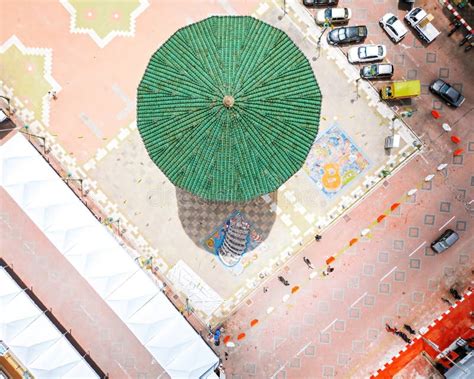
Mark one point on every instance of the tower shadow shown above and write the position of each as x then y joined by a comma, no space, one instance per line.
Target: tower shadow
201,219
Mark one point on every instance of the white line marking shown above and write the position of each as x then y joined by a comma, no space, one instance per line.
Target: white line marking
277,371
388,273
303,348
422,157
418,248
470,202
359,299
327,327
447,222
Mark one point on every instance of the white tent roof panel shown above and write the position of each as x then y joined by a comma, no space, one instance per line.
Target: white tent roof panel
102,261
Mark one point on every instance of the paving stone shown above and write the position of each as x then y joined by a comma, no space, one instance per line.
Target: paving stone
461,226
430,58
415,263
417,297
368,269
413,232
433,284
324,338
403,310
417,43
353,282
399,276
310,351
398,244
354,313
429,251
250,368
342,359
295,363
425,89
461,195
457,86
340,326
360,14
458,160
449,271
384,288
281,375
427,186
436,104
329,371
309,319
323,307
470,147
412,74
399,59
358,346
472,181
443,73
369,300
372,334
338,294
429,220
445,206
383,257
294,331
463,259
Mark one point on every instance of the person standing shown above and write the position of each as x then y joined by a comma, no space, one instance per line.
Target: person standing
283,280
308,263
318,237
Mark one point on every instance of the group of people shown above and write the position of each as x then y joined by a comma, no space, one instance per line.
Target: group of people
401,334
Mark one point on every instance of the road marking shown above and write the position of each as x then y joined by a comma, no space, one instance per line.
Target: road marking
470,202
422,157
327,327
303,348
359,299
388,273
418,248
277,371
447,222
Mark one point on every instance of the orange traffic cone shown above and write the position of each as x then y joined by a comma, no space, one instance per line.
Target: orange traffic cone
458,152
456,139
435,114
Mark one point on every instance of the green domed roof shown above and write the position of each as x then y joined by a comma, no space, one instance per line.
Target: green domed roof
228,108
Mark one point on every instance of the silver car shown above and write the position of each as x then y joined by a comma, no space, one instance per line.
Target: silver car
445,241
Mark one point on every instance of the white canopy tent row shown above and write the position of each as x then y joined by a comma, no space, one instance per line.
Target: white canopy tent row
34,339
99,258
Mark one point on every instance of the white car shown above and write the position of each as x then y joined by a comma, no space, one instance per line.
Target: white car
333,16
366,53
393,27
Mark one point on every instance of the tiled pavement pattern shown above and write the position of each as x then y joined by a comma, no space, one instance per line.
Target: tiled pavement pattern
411,292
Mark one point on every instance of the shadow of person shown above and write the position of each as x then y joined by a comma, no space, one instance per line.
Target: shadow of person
201,219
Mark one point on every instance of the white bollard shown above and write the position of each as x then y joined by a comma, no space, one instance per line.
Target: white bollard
285,298
270,310
365,232
442,166
313,275
412,192
429,178
446,127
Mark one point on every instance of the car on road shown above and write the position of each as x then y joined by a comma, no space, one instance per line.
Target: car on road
393,27
445,241
447,92
377,71
347,34
320,3
366,53
333,16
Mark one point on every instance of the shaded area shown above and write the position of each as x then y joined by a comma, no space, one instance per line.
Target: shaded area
200,218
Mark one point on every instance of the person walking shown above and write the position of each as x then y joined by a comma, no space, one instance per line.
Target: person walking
283,280
409,329
318,237
308,263
389,329
455,294
447,301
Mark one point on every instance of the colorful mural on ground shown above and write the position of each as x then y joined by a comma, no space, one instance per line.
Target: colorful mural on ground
231,248
334,161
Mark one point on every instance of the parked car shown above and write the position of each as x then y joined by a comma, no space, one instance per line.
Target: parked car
447,92
366,53
393,27
347,34
444,241
420,21
333,16
377,71
320,3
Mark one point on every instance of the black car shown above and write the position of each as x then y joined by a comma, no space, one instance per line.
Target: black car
320,3
347,34
445,241
377,71
447,92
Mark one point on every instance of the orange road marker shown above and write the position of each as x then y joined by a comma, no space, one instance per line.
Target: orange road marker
295,289
458,152
380,218
353,241
330,260
435,114
253,322
226,339
241,336
394,206
455,139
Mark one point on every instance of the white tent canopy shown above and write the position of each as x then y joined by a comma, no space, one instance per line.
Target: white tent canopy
99,258
33,338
